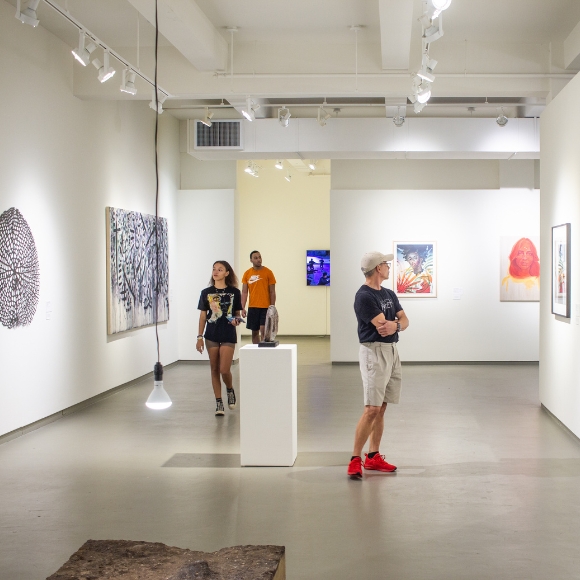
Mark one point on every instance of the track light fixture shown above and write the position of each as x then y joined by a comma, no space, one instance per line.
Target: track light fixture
284,116
28,15
323,116
426,70
312,164
208,117
160,99
250,109
432,9
440,5
399,120
432,24
252,169
424,92
105,71
83,53
418,107
502,120
128,82
288,177
279,164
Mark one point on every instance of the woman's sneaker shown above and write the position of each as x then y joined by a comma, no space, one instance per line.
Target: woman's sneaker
378,463
231,399
219,407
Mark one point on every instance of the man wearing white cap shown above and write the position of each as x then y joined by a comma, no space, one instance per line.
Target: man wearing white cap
380,319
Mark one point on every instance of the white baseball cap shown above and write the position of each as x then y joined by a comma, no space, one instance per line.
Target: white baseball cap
372,259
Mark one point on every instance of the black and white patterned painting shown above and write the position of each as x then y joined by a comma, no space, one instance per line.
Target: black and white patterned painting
132,270
19,271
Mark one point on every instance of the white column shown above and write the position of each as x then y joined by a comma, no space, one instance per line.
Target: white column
268,409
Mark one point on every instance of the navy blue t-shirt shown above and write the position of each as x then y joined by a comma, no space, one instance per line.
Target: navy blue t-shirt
369,303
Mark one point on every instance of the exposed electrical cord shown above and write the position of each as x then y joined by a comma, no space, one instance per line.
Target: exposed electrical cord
156,291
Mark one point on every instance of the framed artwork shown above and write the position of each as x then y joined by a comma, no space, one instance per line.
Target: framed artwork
519,269
132,270
317,267
561,270
415,269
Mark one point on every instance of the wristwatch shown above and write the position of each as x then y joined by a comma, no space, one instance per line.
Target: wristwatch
199,336
398,327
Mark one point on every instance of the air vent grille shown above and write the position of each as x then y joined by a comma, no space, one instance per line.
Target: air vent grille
221,135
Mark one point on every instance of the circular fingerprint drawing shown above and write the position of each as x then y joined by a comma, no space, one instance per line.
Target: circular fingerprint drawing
19,270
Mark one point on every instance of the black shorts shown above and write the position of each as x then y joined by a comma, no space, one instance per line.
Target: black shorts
256,318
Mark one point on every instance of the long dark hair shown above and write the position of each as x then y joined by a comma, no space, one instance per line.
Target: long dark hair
231,278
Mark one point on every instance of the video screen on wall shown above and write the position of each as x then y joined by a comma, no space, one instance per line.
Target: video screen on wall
318,267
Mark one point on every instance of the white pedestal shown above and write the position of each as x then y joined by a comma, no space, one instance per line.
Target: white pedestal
268,410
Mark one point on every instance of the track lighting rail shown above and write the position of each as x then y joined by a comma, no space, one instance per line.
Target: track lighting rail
67,16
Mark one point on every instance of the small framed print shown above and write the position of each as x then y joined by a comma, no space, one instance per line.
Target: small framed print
415,269
561,270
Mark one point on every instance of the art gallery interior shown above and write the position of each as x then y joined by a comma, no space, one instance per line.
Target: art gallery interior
486,434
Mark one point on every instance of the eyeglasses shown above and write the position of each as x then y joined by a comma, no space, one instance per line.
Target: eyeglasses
386,263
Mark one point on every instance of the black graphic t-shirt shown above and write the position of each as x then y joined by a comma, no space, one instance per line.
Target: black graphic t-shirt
219,303
369,303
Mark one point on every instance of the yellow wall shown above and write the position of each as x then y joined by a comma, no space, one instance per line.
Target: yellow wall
282,220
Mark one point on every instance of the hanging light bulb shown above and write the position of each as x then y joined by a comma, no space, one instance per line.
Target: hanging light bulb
158,399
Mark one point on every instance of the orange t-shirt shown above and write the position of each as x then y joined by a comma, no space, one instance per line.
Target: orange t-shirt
259,282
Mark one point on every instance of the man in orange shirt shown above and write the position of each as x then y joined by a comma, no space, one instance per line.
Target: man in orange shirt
259,281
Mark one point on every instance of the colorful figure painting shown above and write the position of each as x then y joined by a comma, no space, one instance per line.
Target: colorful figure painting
561,270
415,269
318,267
519,269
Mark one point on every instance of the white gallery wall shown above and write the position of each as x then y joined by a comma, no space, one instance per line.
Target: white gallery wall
63,161
205,234
282,220
560,203
467,225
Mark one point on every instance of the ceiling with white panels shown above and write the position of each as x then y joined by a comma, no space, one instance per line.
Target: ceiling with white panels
299,52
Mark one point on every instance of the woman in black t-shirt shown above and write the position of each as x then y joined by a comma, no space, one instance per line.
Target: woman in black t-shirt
220,307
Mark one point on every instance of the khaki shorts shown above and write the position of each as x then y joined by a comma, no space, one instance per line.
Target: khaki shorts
212,344
380,368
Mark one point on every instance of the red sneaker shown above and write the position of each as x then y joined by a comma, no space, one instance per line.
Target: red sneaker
378,463
354,470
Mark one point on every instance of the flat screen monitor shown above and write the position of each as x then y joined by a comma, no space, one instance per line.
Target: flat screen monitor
318,267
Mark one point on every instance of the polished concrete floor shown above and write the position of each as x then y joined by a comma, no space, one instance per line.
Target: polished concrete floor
488,484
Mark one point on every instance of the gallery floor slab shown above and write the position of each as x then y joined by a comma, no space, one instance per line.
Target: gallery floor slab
488,484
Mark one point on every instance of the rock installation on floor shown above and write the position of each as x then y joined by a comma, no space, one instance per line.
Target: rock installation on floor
113,559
